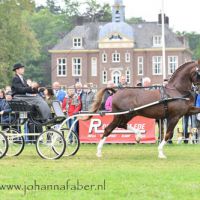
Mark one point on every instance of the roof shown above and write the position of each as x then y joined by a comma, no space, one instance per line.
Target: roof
113,27
89,32
142,34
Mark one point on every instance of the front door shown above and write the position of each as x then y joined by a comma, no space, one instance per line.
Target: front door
115,77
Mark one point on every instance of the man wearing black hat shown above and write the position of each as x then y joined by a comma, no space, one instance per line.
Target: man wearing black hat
20,89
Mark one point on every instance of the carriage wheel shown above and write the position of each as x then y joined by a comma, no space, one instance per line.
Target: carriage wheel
72,142
16,142
50,144
3,145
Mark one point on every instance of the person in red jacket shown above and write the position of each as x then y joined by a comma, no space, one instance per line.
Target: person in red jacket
71,105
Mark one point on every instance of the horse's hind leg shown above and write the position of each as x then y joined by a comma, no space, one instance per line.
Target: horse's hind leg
107,132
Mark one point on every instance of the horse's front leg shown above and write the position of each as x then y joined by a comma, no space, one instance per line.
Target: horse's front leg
171,123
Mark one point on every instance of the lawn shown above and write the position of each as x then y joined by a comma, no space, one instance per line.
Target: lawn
124,172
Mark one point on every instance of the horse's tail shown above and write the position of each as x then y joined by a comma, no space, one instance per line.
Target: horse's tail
98,101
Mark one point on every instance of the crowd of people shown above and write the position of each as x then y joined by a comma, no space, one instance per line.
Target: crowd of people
75,98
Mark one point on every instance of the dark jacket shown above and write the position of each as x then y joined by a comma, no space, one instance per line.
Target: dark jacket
4,106
18,87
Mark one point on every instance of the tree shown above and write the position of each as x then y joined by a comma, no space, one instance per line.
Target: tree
49,28
194,42
18,42
52,7
135,20
97,12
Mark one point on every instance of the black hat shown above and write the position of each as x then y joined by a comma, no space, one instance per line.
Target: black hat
17,66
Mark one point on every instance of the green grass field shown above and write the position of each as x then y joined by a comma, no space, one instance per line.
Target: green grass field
130,172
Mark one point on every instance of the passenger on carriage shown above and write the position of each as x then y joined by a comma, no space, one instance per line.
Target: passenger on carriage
20,90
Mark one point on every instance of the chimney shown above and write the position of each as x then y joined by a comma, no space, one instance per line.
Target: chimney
166,19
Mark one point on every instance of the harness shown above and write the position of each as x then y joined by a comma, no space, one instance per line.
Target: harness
164,98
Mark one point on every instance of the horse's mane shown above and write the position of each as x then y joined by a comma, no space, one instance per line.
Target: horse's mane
179,69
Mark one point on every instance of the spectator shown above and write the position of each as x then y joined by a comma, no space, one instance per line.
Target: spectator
5,110
122,82
8,88
58,92
146,82
189,122
108,104
79,89
165,82
2,94
107,93
138,84
71,105
49,96
87,98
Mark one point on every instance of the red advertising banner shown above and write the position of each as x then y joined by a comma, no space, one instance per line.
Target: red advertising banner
92,130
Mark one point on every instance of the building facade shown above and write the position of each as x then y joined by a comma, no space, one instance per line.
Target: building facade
98,52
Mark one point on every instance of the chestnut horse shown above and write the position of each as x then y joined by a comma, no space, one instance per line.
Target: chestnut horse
179,85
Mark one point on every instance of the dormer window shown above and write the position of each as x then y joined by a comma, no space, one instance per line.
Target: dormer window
115,37
77,42
157,40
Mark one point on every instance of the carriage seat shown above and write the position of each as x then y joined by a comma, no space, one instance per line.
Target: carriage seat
17,105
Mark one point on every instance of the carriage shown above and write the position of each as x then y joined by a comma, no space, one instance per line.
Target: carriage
52,143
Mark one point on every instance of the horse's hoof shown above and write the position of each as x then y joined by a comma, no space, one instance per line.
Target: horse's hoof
162,156
99,155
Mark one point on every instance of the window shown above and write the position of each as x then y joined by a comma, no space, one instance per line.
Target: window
77,42
76,67
140,65
116,57
157,40
157,65
104,77
94,66
61,67
128,76
172,64
127,57
104,58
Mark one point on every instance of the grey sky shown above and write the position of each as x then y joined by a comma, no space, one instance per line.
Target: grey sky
183,14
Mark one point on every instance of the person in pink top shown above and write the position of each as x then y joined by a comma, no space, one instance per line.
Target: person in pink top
108,104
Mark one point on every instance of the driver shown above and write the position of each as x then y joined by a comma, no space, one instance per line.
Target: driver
21,90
